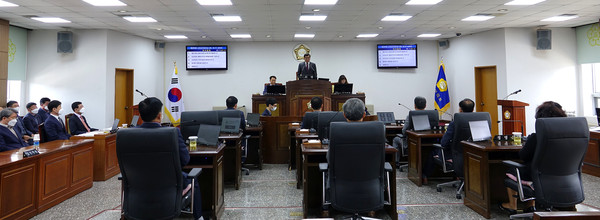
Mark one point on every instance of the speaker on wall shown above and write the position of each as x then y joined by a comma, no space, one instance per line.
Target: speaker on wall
159,45
444,43
544,39
64,42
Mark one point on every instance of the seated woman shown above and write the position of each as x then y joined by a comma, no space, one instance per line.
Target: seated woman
342,80
545,110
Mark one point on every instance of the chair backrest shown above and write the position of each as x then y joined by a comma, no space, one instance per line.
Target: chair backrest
227,114
462,132
191,121
310,120
67,117
433,115
356,166
324,120
556,165
42,131
151,169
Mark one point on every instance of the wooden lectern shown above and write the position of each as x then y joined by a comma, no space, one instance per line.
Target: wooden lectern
513,116
300,92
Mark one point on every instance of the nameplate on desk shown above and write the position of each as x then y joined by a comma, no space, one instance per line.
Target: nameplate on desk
303,131
29,153
314,144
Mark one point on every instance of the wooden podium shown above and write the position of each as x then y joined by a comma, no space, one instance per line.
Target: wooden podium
513,116
300,92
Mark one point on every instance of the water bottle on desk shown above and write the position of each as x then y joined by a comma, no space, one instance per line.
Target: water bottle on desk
36,141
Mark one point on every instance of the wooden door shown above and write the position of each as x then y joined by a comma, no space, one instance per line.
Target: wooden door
486,93
123,95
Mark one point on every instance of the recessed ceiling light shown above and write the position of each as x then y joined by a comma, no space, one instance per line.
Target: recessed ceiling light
340,36
423,2
214,2
139,19
268,36
402,35
234,28
320,2
396,18
159,29
451,27
50,20
240,36
312,17
105,2
366,35
503,10
176,36
380,27
307,27
203,36
561,17
304,35
429,35
7,4
316,10
524,2
227,18
478,18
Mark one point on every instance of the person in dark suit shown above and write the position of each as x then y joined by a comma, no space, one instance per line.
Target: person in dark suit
547,109
31,120
272,82
151,113
54,125
10,138
271,106
307,69
77,122
309,120
43,113
420,104
231,103
26,135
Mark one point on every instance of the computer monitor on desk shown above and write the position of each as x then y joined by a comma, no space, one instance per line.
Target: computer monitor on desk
324,121
342,88
191,120
230,125
386,117
208,135
275,89
433,116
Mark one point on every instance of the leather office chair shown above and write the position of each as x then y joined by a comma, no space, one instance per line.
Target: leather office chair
191,121
462,132
151,173
556,165
356,176
67,117
42,131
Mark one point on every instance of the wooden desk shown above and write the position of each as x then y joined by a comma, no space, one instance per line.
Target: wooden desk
485,173
591,161
293,146
391,131
276,138
29,186
313,180
106,164
210,159
417,141
232,164
254,155
298,141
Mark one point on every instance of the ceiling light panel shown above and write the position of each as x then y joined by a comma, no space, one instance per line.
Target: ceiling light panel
423,2
312,17
478,18
240,36
214,2
50,20
429,35
560,18
176,36
7,4
139,19
396,18
320,2
367,35
227,18
304,35
524,2
105,2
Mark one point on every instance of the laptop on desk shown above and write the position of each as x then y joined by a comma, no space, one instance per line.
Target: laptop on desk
115,126
230,125
253,119
276,89
342,88
421,123
208,135
480,130
134,121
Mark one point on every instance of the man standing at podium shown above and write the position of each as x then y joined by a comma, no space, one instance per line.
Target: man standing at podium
307,69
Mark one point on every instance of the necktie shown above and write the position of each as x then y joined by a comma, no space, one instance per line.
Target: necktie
13,131
61,122
84,124
307,66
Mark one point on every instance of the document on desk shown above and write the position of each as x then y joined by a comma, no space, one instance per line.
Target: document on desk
595,129
90,134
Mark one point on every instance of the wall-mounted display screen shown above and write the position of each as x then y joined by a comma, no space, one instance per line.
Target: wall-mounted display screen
206,57
396,56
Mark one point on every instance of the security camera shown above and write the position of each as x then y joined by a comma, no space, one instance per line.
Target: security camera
458,34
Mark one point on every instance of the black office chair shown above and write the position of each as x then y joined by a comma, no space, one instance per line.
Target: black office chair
433,116
191,121
356,176
151,174
462,132
402,152
556,165
236,114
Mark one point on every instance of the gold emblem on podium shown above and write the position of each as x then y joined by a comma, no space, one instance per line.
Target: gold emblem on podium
299,51
506,115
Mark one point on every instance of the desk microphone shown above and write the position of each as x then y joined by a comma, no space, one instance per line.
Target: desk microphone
513,93
141,93
404,106
446,113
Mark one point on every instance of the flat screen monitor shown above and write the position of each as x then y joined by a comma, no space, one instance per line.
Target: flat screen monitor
206,57
396,56
208,135
228,114
421,122
480,130
386,117
433,116
134,121
275,89
115,126
324,121
230,125
342,88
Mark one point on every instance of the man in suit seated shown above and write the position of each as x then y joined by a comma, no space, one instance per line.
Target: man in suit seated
420,104
272,82
54,125
271,106
231,103
316,103
10,138
354,110
27,136
31,120
77,123
151,113
43,113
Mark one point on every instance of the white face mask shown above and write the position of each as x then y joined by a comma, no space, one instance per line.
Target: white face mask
16,109
61,111
35,111
82,110
274,108
12,123
46,108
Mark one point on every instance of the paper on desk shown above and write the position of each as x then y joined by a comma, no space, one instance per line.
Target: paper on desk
595,129
314,141
295,123
90,134
304,130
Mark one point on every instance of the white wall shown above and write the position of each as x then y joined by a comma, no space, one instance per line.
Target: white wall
251,64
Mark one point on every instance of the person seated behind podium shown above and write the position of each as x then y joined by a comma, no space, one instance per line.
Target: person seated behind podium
231,103
44,112
307,69
10,138
545,110
77,122
272,82
151,113
26,135
342,80
271,106
54,125
31,120
316,103
420,104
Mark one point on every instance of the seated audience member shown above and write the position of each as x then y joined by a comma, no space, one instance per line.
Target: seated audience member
77,122
271,106
342,80
316,103
27,135
54,125
10,138
151,113
545,110
231,103
272,82
420,104
30,120
43,113
353,110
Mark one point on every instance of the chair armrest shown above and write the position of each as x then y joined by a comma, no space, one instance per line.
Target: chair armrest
388,167
120,176
248,136
323,167
438,146
400,135
513,164
195,172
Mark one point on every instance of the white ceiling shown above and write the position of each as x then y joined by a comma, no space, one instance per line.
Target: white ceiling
279,18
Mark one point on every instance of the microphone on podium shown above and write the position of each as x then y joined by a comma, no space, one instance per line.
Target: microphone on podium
141,93
404,106
513,93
